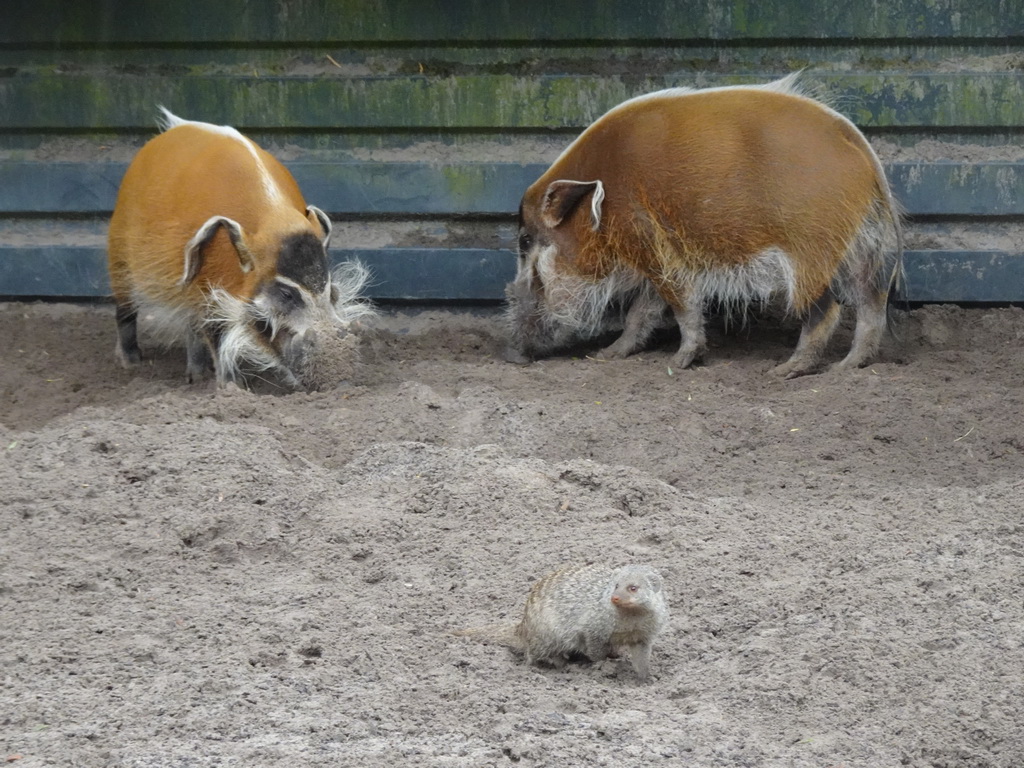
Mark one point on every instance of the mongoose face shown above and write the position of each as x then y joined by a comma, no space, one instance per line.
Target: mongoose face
635,591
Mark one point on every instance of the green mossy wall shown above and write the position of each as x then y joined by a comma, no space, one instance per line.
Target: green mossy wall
417,124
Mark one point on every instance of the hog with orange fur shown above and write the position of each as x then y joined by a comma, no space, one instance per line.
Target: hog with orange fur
738,194
212,241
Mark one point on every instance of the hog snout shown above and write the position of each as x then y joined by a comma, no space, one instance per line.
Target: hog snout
297,348
529,335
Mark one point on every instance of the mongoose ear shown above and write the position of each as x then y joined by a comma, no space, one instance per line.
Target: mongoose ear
656,583
562,197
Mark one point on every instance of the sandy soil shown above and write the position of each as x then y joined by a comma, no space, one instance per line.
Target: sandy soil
201,577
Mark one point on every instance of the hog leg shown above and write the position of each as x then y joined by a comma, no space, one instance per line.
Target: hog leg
876,272
818,326
199,360
127,350
126,315
691,326
871,324
642,318
688,308
212,335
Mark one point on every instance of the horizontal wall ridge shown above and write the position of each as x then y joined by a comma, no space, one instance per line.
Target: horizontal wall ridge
395,21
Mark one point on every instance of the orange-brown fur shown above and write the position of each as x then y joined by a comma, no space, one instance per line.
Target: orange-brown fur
699,183
170,190
211,236
769,204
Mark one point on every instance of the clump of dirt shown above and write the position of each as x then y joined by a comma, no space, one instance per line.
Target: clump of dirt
334,360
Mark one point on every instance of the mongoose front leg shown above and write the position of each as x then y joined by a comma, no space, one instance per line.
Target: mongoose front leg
640,658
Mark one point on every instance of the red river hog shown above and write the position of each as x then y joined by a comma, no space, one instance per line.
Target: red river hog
678,197
212,240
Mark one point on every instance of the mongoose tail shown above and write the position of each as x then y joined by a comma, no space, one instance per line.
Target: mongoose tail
498,634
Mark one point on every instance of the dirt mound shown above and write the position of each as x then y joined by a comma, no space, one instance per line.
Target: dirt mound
198,576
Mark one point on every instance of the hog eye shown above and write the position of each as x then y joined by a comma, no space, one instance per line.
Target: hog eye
286,296
525,243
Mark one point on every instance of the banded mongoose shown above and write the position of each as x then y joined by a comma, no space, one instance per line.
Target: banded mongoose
594,610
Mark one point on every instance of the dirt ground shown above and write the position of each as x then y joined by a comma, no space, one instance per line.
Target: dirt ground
200,577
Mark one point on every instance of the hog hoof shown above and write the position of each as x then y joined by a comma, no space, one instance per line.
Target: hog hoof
512,355
790,370
612,352
684,358
197,372
846,364
127,358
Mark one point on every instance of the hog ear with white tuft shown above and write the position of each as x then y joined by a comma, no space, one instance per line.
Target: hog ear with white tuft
314,214
203,235
562,197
